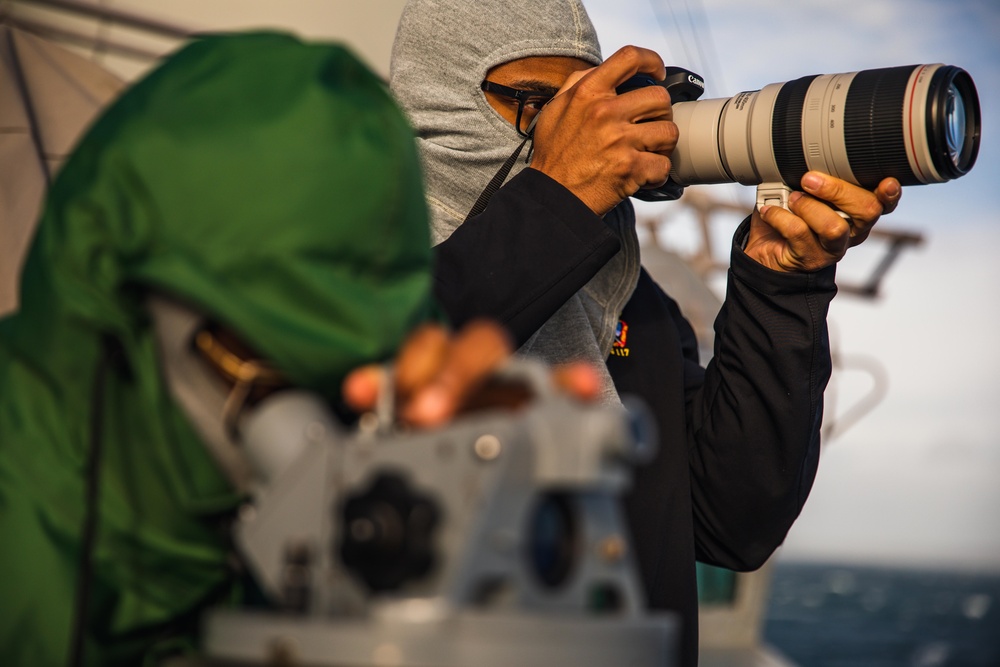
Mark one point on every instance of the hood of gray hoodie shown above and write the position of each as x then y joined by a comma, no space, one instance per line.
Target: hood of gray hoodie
442,52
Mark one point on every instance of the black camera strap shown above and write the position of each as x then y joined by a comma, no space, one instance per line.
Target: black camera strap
501,175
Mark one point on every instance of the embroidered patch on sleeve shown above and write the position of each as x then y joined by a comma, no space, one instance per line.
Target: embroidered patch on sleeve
619,348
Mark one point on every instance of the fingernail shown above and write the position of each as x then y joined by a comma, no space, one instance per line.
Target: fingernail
794,197
763,210
430,406
893,190
812,181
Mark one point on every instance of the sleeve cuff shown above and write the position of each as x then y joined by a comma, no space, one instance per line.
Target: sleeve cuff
769,281
560,202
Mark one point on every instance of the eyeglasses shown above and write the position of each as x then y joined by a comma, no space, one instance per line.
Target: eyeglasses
529,103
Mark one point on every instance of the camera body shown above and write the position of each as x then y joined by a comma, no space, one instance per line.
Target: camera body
683,86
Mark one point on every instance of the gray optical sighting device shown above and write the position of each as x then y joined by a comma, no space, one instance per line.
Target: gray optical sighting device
496,541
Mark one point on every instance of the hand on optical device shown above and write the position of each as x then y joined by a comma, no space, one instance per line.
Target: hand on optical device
603,146
438,374
812,235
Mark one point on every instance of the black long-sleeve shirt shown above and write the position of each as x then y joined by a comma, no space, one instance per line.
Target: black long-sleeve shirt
739,440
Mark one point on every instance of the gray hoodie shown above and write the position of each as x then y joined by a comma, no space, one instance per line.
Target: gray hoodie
442,52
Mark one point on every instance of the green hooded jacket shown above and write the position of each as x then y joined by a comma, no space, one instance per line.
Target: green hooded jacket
270,184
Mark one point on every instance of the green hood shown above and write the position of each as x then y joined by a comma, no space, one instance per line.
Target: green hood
272,185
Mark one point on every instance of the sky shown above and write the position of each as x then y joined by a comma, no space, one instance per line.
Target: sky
917,480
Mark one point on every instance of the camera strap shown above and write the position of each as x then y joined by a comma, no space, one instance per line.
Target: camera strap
501,175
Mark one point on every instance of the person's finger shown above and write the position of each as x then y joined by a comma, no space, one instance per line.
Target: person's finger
361,387
476,351
649,170
573,78
420,358
889,193
655,136
821,218
804,248
647,104
789,226
579,380
623,64
861,205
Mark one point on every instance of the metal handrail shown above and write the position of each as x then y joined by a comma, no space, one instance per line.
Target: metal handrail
65,35
119,16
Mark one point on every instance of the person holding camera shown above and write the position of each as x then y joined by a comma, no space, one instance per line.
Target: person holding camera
554,257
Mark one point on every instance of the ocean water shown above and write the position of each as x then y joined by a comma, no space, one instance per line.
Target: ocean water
836,616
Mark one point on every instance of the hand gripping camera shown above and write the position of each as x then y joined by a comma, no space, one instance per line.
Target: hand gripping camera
496,541
918,123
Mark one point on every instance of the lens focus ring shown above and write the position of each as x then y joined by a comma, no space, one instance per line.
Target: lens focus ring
786,131
873,126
